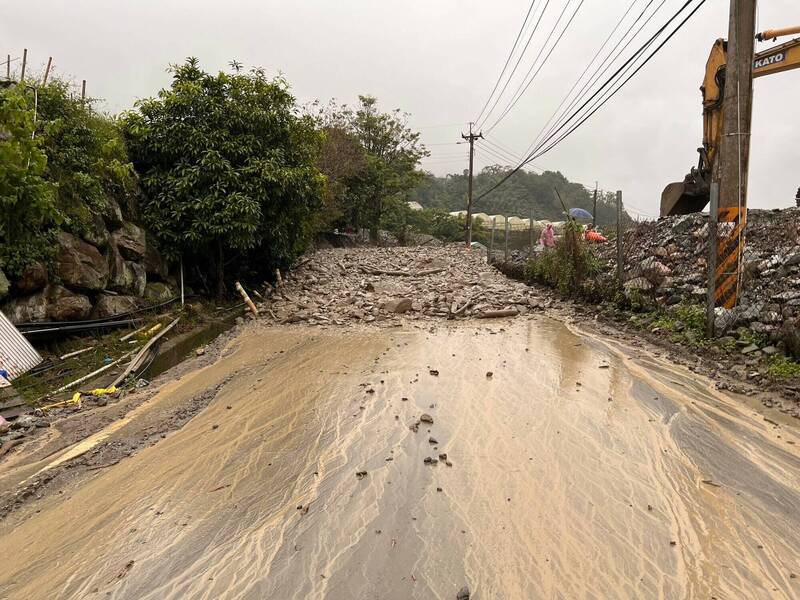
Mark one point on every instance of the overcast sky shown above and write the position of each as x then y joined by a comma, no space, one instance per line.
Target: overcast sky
438,60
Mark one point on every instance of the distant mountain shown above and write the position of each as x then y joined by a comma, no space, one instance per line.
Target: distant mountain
522,193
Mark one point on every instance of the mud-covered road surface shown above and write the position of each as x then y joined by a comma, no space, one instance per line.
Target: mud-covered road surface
574,469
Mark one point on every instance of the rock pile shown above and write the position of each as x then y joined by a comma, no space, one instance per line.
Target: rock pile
667,260
112,270
385,285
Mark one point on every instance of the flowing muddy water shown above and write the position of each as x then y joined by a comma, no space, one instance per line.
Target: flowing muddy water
578,470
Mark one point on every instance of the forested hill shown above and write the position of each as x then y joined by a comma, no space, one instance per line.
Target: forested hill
523,192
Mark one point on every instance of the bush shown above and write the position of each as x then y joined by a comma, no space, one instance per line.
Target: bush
566,267
28,211
228,170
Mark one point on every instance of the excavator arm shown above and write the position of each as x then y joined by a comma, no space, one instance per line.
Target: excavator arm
692,194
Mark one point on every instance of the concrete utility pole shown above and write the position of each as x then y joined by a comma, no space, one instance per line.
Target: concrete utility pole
594,207
471,138
735,150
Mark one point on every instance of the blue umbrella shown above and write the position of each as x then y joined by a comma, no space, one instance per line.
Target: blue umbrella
579,213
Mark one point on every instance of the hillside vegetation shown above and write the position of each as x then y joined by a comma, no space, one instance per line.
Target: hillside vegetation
523,193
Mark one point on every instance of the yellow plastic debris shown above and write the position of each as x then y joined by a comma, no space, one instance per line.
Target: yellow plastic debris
103,391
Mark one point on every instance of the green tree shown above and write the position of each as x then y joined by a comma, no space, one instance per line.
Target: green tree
28,211
391,150
227,168
86,159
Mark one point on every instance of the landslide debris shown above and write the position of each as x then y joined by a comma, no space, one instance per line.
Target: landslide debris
386,285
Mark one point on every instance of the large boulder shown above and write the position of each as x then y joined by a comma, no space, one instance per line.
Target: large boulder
130,241
110,306
97,234
157,292
127,277
4,285
33,279
112,214
154,263
80,265
54,303
64,305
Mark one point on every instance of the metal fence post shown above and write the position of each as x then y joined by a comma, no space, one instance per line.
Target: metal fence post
619,237
713,215
491,242
530,227
506,241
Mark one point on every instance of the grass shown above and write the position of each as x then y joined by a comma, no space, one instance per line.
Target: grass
783,367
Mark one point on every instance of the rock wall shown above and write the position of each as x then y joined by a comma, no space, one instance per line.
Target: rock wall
111,270
666,260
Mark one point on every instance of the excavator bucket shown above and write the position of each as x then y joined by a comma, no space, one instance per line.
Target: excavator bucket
683,198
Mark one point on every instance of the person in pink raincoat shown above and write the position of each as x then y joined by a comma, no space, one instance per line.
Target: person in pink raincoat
548,237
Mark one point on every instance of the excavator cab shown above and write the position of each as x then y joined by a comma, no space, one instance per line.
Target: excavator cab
693,193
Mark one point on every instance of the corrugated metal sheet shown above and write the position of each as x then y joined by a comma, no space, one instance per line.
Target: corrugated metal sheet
16,355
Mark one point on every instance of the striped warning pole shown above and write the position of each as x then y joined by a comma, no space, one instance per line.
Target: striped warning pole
731,221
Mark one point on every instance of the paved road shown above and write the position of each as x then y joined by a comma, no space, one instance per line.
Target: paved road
579,470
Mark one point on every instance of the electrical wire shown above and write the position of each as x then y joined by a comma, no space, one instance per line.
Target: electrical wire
521,92
516,66
585,70
535,154
620,86
607,63
508,60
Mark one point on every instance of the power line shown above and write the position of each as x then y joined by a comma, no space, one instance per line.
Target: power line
496,154
503,149
508,60
602,69
516,65
518,94
585,70
533,155
603,101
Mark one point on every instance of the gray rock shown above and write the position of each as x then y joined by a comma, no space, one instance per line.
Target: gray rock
157,292
638,283
398,305
749,348
109,306
130,241
33,279
54,303
80,265
769,350
112,214
463,593
126,276
64,305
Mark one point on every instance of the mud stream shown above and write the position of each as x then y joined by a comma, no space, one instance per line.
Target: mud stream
579,470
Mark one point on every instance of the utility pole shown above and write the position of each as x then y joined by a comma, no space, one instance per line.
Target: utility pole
471,138
594,206
735,150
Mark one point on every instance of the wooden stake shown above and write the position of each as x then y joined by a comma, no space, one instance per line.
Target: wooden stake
47,70
246,299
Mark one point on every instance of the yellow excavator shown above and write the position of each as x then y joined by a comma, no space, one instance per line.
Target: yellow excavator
692,194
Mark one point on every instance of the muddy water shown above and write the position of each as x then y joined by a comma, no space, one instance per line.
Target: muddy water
578,470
